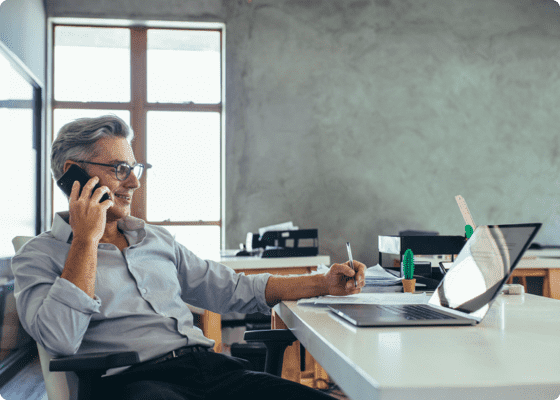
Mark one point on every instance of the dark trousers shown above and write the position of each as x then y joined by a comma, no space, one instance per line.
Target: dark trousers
203,375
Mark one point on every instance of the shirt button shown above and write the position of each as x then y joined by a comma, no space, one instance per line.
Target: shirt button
164,314
144,290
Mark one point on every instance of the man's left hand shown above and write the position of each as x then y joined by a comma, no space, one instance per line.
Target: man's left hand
343,280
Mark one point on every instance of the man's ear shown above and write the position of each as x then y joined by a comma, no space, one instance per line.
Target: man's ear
67,165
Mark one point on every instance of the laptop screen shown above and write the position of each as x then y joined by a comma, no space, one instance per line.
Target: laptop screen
482,267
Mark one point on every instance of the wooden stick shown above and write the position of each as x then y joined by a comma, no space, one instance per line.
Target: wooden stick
465,211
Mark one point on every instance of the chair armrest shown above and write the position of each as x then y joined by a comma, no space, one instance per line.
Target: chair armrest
269,335
276,341
94,361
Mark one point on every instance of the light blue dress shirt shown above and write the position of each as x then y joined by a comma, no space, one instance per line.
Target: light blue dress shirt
140,293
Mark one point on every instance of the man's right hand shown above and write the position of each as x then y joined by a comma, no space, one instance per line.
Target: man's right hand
88,216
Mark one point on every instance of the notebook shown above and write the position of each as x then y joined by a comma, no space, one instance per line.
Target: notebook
466,292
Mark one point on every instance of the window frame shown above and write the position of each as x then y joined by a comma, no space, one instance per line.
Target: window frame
12,362
138,105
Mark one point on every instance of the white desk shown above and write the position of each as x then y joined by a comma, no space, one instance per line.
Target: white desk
290,265
514,353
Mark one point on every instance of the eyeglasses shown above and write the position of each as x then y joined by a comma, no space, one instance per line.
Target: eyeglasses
122,170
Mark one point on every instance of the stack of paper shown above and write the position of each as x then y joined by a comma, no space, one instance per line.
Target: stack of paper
285,226
368,298
377,276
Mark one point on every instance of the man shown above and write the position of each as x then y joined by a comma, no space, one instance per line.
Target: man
102,280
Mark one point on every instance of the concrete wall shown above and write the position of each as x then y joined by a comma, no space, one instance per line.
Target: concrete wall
363,118
23,30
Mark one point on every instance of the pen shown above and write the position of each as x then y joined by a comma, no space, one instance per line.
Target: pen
442,268
351,261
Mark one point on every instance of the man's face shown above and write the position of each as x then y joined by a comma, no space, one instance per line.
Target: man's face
113,151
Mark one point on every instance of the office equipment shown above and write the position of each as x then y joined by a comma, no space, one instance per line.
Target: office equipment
442,269
349,250
421,268
465,211
513,354
513,289
424,245
76,173
466,292
285,243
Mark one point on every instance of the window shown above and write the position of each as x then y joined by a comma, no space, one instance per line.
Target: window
20,154
168,84
20,161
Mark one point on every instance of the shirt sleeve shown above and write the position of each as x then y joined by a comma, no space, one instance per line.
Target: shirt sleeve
218,288
54,311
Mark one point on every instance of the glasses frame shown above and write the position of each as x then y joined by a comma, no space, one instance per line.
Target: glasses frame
115,166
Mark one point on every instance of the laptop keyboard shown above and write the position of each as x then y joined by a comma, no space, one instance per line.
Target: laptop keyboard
414,312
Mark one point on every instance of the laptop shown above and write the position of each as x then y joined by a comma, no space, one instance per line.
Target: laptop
466,292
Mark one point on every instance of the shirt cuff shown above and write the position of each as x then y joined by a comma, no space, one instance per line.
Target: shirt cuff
65,292
260,283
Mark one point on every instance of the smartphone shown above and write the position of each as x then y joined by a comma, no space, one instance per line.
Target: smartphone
75,173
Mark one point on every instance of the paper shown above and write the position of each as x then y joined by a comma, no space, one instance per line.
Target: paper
377,276
286,226
368,298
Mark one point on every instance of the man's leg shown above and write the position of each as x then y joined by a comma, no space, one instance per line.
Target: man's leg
176,379
226,376
259,385
150,390
203,376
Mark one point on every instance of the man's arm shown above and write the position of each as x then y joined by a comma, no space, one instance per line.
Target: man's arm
339,281
52,310
81,265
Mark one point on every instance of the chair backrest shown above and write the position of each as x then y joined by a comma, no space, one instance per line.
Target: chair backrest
59,385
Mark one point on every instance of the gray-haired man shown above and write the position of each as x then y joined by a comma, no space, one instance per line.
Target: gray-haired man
102,280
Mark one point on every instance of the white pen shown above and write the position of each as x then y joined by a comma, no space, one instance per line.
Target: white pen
351,261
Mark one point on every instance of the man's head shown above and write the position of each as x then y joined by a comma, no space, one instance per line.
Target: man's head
103,140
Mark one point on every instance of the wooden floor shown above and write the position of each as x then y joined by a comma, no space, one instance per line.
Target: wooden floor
27,384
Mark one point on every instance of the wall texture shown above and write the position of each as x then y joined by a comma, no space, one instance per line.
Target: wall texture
23,31
363,118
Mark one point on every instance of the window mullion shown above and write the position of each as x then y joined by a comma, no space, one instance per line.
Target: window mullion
138,76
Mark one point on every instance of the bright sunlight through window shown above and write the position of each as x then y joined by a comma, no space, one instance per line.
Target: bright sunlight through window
167,84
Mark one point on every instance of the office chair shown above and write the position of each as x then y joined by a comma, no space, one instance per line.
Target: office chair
73,377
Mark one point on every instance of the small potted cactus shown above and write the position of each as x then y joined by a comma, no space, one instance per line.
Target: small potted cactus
408,282
468,231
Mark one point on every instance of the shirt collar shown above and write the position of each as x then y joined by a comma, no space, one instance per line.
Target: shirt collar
62,230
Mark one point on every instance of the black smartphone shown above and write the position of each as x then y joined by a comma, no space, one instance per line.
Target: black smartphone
75,173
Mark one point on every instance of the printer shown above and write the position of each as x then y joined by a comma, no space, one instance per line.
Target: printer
284,243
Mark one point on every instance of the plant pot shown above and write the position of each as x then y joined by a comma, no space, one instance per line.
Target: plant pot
408,285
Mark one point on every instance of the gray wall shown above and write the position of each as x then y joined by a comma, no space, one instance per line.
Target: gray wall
363,118
23,30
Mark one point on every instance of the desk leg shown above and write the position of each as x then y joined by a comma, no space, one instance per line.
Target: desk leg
314,375
291,366
318,376
554,283
212,328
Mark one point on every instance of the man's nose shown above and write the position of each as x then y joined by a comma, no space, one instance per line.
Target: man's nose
132,181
